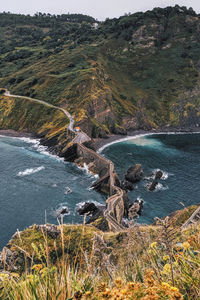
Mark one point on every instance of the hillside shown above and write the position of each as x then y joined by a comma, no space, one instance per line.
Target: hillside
139,71
159,261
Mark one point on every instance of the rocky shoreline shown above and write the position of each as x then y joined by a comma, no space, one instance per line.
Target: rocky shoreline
13,133
102,142
98,143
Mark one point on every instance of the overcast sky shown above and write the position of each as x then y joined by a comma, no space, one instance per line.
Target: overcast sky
99,9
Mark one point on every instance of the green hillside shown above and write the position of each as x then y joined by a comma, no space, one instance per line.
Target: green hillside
139,71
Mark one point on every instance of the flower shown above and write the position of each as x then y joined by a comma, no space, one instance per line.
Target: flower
166,257
167,269
186,245
154,245
37,267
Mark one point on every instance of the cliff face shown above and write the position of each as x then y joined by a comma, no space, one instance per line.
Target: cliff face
140,71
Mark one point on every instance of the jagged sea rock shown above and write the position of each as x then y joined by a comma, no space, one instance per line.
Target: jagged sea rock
158,174
134,173
153,185
135,209
127,185
92,210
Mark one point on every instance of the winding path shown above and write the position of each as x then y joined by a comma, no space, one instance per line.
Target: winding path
116,194
194,219
80,137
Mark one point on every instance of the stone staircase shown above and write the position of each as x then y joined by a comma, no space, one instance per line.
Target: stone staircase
194,219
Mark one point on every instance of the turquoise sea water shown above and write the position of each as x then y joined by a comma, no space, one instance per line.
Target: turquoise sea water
32,181
177,155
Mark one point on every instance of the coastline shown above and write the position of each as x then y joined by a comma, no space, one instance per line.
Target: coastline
18,134
102,143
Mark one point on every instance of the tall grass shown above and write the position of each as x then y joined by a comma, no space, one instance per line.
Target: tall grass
150,262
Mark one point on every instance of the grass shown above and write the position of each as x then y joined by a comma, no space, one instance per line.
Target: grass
28,116
147,262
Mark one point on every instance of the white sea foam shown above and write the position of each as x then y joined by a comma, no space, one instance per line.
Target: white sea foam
161,187
164,176
90,188
44,150
58,211
30,171
36,146
81,204
88,172
139,136
85,167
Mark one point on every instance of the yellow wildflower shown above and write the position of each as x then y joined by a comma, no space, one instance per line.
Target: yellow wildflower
167,269
37,267
186,245
174,289
154,245
166,257
165,285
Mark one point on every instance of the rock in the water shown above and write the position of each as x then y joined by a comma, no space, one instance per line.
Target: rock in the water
92,210
153,185
127,185
64,211
126,204
135,209
87,208
158,174
134,173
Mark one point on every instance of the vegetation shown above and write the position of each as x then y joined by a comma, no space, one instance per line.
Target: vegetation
139,71
28,116
81,262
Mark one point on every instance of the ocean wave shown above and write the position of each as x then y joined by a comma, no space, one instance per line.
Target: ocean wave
61,210
29,140
44,150
88,172
161,187
30,171
35,146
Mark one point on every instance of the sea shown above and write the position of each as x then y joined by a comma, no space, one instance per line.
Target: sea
176,155
36,186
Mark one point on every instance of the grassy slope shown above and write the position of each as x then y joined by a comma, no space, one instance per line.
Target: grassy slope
24,115
82,260
152,79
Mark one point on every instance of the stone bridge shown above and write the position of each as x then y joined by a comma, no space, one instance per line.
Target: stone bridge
114,212
194,219
115,203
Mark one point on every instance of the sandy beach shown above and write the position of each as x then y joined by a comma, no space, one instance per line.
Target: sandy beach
101,142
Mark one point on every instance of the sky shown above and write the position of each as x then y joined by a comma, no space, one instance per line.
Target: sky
99,9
